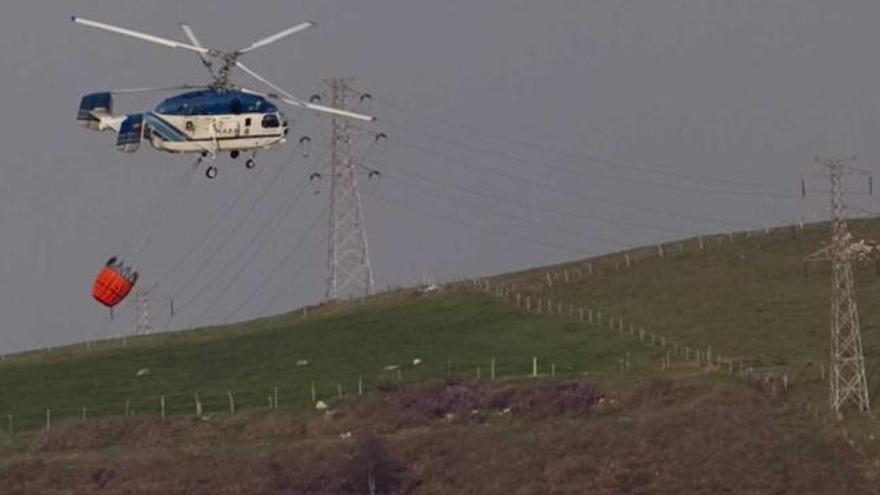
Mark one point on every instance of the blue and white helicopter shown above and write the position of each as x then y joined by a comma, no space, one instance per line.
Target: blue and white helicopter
212,118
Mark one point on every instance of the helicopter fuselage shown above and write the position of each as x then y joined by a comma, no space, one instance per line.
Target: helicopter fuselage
213,133
204,121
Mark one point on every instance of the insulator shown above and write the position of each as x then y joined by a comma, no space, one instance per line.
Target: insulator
366,97
315,180
374,173
306,143
314,98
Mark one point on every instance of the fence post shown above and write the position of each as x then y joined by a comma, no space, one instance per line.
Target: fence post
83,413
492,369
127,407
479,373
552,369
702,246
275,397
48,419
534,367
198,405
162,406
338,391
528,303
313,392
566,275
231,399
628,261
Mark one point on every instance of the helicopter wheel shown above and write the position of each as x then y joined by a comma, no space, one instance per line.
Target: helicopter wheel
250,163
233,154
211,172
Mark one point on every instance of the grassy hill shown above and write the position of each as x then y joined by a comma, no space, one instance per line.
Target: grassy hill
747,296
343,344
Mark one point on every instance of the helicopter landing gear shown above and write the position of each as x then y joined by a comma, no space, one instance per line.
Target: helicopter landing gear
211,172
233,154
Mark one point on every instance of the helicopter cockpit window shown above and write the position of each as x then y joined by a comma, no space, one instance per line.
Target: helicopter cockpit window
270,121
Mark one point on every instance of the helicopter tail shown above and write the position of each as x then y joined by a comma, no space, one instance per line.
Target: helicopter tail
96,112
131,131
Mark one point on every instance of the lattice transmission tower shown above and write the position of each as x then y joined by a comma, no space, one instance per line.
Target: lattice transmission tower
348,263
849,383
142,312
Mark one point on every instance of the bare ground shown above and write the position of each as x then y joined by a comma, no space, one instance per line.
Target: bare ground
550,437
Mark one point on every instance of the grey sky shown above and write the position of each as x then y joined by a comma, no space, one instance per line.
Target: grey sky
739,89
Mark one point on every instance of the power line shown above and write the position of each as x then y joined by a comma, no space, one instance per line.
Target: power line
583,196
519,218
283,210
513,235
213,253
269,227
519,203
587,173
287,256
586,157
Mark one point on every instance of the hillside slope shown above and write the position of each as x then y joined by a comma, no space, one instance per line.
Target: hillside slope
749,296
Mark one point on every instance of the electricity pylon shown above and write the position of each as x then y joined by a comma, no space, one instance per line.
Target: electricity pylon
142,312
849,383
348,263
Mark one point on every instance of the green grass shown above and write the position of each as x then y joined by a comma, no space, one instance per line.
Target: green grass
340,344
747,296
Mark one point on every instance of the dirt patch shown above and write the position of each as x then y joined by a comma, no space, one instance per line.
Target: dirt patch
535,437
456,400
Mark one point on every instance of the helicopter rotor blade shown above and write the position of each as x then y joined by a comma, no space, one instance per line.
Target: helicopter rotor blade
139,35
278,36
128,91
296,102
191,36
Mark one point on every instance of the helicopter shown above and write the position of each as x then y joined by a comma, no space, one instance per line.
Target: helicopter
207,119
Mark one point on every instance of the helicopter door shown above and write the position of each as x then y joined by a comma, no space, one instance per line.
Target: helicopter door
130,133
